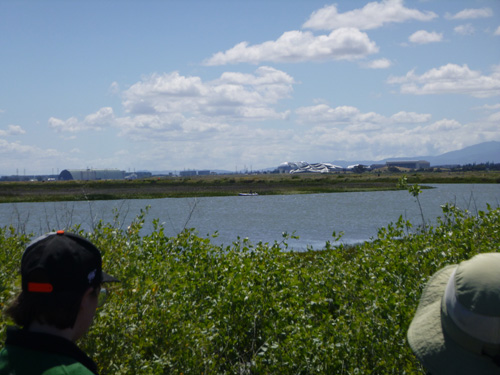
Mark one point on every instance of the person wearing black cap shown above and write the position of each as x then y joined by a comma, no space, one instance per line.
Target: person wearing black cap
62,282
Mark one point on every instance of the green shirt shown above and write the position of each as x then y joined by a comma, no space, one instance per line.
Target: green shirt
28,353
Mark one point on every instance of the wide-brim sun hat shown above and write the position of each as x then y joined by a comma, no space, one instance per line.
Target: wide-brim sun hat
456,328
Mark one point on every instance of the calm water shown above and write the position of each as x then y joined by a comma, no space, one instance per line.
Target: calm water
261,218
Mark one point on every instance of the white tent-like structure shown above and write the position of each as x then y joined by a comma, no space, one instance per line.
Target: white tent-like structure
305,167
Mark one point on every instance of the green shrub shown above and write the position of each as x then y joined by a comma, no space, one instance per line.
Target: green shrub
186,306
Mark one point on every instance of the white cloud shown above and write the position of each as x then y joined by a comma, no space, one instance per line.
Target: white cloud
424,37
470,14
102,117
95,121
444,125
168,108
373,15
465,29
489,106
377,64
497,31
297,46
322,113
30,158
233,95
410,117
449,79
354,118
14,147
114,88
346,131
12,130
494,117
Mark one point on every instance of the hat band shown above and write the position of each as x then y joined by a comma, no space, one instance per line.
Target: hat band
476,332
40,287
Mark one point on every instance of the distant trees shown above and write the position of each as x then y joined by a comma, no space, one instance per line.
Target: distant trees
479,167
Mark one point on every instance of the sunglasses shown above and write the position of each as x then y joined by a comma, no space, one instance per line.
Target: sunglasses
102,297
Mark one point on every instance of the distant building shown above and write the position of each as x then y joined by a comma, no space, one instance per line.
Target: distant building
187,173
91,174
194,173
410,164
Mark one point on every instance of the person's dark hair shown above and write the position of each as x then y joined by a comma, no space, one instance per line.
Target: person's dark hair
59,309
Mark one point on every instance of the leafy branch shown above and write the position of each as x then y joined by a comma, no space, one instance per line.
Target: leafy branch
414,190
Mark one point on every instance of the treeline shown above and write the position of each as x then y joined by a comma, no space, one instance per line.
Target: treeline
186,306
478,167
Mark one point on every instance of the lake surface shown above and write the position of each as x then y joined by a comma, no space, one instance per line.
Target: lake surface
313,217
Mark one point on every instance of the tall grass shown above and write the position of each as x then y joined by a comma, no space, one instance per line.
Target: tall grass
186,306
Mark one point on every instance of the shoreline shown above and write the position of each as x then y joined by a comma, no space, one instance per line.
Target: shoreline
226,185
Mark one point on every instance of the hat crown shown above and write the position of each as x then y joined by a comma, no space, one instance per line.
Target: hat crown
477,284
63,262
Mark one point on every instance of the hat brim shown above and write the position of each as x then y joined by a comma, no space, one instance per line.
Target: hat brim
438,353
106,278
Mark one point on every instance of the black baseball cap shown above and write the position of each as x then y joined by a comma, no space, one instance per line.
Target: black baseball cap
62,262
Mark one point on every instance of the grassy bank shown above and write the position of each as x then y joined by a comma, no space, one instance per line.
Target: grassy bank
186,306
225,185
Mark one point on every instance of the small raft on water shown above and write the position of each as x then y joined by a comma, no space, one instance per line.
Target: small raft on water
247,194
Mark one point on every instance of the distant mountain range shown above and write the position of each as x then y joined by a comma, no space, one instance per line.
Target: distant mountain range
481,153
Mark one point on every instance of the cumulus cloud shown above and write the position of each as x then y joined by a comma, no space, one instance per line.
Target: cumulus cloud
297,46
31,158
233,95
354,118
424,37
497,31
323,113
171,107
377,64
410,117
494,117
465,29
12,130
449,79
346,41
470,14
95,121
373,15
345,130
14,148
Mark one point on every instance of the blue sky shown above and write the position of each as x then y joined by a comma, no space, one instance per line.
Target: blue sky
234,84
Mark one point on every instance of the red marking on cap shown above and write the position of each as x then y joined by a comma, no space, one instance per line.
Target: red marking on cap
40,287
60,232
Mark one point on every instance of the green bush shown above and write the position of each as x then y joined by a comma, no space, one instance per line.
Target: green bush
186,306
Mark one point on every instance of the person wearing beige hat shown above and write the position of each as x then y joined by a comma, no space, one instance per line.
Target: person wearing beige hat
456,328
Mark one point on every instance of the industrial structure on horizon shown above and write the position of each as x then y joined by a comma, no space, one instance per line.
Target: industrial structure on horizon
99,174
305,167
91,174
